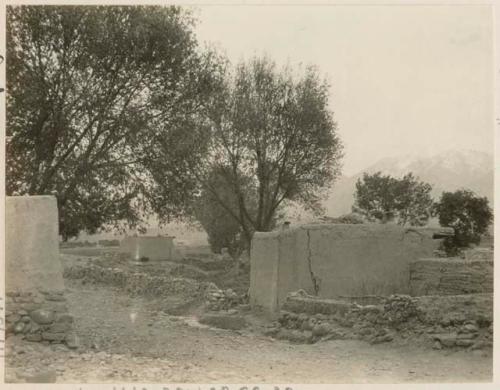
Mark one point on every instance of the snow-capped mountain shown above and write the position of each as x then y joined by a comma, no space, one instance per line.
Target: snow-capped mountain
446,171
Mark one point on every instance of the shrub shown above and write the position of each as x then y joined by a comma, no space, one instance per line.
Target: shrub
469,215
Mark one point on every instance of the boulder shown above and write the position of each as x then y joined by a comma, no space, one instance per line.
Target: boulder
321,330
19,327
42,316
72,341
464,342
470,328
446,339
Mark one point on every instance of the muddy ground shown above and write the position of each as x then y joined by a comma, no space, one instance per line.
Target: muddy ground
134,339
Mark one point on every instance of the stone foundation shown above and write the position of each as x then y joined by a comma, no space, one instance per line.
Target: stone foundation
35,305
450,276
464,321
40,316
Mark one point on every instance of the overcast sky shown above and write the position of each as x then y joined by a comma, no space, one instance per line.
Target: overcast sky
405,79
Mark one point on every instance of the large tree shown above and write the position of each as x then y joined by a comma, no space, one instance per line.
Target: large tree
272,131
83,84
385,198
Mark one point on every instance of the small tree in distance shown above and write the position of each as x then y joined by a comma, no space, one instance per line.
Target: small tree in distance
384,198
468,214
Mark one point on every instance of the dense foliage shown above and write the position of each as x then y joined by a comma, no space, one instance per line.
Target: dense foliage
213,210
384,198
118,112
272,139
84,83
468,214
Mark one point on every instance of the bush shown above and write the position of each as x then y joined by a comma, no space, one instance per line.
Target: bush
469,215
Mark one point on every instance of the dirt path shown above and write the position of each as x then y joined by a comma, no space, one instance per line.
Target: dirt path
127,339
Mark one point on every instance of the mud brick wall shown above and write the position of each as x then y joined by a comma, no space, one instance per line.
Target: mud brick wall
460,321
154,248
333,260
478,254
35,305
450,276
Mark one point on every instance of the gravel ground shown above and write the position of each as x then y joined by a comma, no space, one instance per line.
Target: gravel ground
127,339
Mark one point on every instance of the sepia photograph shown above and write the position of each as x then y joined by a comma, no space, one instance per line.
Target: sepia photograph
248,193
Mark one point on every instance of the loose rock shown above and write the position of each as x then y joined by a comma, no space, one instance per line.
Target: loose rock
42,316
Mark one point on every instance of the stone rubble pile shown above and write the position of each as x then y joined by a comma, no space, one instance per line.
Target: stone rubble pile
466,323
398,309
217,299
357,322
467,335
135,283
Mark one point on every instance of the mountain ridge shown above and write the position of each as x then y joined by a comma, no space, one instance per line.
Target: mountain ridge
445,171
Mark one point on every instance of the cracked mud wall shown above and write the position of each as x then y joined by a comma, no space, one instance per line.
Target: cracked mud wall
315,279
293,274
335,260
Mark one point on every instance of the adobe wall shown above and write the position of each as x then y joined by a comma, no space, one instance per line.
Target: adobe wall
335,260
35,304
479,254
32,244
450,276
152,247
264,270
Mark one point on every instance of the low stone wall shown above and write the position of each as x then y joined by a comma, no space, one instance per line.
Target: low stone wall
41,316
35,305
463,321
135,283
332,260
450,276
